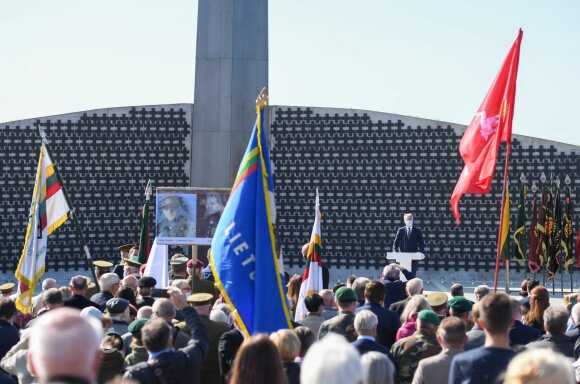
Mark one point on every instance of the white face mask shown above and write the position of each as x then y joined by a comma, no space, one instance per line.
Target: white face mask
409,223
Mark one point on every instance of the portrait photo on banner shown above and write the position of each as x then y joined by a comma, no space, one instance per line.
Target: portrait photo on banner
188,215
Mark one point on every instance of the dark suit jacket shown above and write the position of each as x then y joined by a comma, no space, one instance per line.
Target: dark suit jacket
80,302
413,243
521,334
145,301
228,347
397,290
210,370
343,324
387,325
363,346
399,306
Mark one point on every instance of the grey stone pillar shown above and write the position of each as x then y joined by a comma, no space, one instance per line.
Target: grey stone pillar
231,69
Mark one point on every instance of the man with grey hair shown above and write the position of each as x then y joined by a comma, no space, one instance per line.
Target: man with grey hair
396,289
37,300
54,354
413,287
555,320
574,332
365,325
480,291
51,299
359,288
435,369
329,302
165,309
409,239
109,284
78,285
332,360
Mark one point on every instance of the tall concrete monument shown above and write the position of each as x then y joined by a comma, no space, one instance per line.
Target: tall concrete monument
231,69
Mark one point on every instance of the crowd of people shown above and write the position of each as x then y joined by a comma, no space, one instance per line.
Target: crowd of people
361,331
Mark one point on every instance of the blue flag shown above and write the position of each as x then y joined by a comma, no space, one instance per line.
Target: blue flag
244,259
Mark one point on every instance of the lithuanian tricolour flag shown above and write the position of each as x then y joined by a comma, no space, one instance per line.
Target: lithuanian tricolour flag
48,211
312,275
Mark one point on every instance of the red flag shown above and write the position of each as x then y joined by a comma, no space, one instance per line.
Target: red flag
491,125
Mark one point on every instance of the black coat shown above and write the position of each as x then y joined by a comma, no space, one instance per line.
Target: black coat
80,302
228,347
521,334
181,366
412,243
387,325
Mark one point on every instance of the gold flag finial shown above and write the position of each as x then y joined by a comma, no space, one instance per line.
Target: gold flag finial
262,100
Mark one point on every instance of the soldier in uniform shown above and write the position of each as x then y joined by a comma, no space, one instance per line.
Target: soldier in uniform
178,267
132,264
175,221
198,284
210,370
214,206
124,253
408,351
101,267
6,290
145,286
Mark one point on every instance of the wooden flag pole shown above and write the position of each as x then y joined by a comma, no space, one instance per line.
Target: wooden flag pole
72,214
505,174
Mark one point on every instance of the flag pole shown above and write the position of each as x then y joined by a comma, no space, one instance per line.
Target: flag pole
505,174
71,213
567,181
144,238
545,258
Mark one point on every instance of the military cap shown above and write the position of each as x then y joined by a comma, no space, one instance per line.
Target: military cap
170,201
177,256
437,299
133,261
136,325
147,282
179,263
460,304
116,305
198,264
429,316
199,299
345,294
102,264
127,247
6,288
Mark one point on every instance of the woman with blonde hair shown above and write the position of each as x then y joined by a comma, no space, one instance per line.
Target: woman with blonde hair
539,301
288,345
409,317
539,366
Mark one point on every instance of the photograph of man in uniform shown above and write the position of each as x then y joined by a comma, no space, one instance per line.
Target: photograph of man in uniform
209,211
176,216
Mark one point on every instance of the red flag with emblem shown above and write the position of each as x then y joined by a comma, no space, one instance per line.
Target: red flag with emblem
491,125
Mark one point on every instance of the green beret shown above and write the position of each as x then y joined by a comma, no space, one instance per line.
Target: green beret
136,325
429,316
460,304
345,294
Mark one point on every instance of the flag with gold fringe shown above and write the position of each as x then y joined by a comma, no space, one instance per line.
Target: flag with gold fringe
541,227
244,258
520,231
48,210
505,227
567,232
534,251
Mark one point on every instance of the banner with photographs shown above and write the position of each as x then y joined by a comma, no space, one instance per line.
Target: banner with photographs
188,215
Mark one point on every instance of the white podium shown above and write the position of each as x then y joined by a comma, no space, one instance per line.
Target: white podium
405,258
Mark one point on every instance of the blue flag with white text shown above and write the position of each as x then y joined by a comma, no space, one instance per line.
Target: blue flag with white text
244,257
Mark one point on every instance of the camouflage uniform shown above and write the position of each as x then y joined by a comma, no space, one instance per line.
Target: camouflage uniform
408,351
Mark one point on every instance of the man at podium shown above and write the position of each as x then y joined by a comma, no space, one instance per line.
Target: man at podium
409,238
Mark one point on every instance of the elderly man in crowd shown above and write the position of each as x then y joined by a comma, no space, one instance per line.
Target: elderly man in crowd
329,310
78,285
396,289
342,324
55,355
51,299
413,287
37,300
555,319
109,284
365,324
165,309
388,321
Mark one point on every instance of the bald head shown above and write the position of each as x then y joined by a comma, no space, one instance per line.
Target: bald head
54,345
131,282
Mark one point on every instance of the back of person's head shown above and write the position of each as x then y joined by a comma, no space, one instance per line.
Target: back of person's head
131,282
495,312
575,313
332,360
516,309
306,337
313,302
258,362
532,283
392,272
365,323
350,280
327,297
48,283
556,319
456,290
128,294
415,286
219,316
524,287
164,309
288,344
155,335
7,308
358,285
112,341
145,312
452,332
108,280
78,283
52,298
62,343
539,366
480,291
539,301
375,291
378,367
180,283
337,286
415,305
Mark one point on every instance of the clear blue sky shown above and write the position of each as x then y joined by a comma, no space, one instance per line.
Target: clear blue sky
430,59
